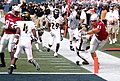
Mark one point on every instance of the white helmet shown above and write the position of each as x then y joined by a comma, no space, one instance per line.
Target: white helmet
94,17
16,10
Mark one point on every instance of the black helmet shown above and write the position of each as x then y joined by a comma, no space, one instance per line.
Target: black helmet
56,13
26,16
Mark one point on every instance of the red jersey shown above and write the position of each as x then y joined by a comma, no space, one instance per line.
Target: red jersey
10,20
102,35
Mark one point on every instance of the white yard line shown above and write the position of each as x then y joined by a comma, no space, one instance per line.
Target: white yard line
42,73
40,58
70,69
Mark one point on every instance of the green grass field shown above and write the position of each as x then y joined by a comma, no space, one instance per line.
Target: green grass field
49,63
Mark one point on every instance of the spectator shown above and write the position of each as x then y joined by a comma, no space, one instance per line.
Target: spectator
1,9
112,23
103,14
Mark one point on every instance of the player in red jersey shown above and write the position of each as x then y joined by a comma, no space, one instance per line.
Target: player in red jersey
99,36
9,32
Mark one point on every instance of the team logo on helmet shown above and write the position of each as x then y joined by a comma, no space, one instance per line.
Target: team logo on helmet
25,16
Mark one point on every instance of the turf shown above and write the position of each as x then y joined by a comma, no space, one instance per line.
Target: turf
47,61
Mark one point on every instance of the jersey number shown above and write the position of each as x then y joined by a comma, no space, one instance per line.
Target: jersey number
55,26
25,28
9,23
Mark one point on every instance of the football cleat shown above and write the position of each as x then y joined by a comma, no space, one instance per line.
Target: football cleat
77,62
55,54
110,42
85,63
13,67
37,66
11,70
48,49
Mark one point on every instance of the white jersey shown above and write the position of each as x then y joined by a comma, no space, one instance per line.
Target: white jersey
55,28
25,28
55,23
112,16
25,38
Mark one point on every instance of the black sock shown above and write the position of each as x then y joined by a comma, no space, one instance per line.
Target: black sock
2,56
57,47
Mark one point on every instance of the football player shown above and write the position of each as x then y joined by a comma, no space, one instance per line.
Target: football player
82,44
9,31
100,35
25,29
55,24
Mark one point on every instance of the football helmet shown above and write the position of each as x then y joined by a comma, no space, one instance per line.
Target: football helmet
26,16
16,11
56,13
94,17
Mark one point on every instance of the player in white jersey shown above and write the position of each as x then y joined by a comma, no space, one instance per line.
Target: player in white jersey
55,24
25,29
